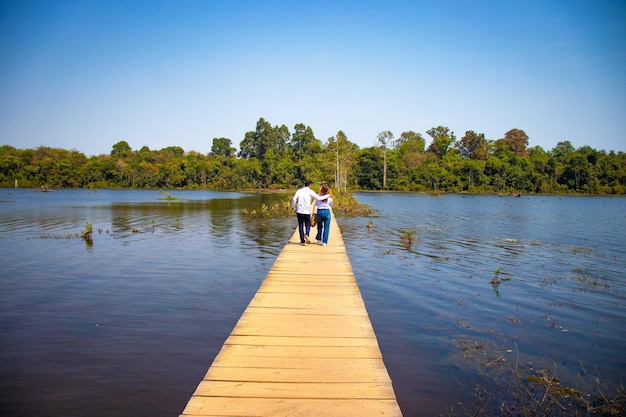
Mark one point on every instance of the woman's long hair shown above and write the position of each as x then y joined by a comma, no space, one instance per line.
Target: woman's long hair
325,189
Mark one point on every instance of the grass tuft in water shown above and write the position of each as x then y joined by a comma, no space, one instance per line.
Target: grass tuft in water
407,238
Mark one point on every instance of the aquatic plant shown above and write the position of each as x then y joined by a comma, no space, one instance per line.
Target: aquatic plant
407,238
497,280
508,387
87,233
541,393
168,197
281,209
346,204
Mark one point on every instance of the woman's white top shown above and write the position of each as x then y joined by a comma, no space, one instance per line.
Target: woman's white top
324,204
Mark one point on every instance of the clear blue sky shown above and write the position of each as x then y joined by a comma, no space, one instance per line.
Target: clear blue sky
86,74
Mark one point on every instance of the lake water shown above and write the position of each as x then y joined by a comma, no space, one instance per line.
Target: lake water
129,324
560,304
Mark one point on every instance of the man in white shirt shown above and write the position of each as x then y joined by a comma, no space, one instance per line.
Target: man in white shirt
301,203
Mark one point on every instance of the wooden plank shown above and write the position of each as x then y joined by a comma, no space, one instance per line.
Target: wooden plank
308,288
293,329
333,310
300,341
302,321
304,279
276,351
304,345
299,363
284,407
305,301
219,373
309,390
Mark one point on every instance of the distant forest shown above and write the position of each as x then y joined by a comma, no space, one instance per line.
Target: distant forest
273,157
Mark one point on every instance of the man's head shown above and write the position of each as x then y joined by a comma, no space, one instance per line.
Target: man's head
307,183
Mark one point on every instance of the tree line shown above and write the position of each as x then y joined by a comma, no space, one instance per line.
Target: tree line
275,157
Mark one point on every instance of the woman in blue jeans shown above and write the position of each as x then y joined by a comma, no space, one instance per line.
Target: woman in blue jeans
323,215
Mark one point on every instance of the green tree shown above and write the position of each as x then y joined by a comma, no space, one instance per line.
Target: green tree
411,141
473,146
223,147
410,155
474,173
539,160
149,176
10,165
121,149
248,174
98,172
69,165
611,172
435,173
562,149
577,172
495,169
256,144
501,149
520,174
368,169
442,139
303,142
145,154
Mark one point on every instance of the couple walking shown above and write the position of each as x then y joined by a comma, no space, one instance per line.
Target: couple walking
301,203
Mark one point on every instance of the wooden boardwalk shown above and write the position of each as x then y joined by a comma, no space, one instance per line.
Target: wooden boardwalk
303,347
